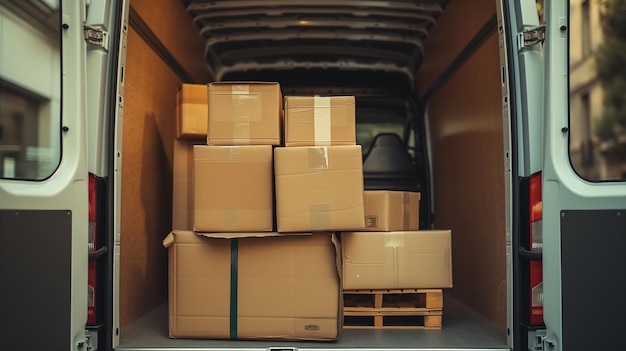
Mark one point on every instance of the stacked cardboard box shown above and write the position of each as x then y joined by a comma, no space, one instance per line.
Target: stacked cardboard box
231,275
398,268
238,286
319,173
191,111
391,252
257,201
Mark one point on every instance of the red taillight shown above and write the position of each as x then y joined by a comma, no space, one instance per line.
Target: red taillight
91,278
536,243
536,205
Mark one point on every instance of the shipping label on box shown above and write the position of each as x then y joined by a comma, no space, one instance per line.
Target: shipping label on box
245,113
397,260
319,121
260,287
192,111
233,189
319,188
391,210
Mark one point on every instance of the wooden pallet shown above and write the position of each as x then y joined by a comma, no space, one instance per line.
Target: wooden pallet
393,309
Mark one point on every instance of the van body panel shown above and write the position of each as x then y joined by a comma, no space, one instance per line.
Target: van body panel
573,210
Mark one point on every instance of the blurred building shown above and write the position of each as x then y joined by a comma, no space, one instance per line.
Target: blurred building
591,157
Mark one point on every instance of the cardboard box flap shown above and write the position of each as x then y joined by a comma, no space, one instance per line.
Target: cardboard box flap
304,159
169,239
246,235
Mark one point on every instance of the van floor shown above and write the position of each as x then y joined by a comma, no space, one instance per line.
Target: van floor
462,329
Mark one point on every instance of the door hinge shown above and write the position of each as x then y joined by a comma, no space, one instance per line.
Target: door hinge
96,36
531,36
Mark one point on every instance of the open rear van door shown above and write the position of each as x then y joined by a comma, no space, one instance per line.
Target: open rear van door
584,176
43,176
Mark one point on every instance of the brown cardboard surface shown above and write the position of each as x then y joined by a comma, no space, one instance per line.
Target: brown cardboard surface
397,260
319,120
233,189
243,113
391,210
319,188
192,111
182,206
287,287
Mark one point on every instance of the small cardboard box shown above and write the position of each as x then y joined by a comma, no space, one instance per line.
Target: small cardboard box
319,188
387,211
233,188
397,260
245,113
192,111
182,192
319,121
276,287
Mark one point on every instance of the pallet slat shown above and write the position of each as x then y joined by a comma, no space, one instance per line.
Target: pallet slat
393,309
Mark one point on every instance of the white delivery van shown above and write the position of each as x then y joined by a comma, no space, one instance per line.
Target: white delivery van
513,130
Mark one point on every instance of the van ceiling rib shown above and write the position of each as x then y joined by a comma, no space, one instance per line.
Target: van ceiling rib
368,36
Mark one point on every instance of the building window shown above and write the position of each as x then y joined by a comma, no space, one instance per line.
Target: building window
597,113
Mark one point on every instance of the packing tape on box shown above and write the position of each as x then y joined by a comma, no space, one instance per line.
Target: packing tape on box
231,153
319,216
394,252
406,215
321,120
241,132
241,122
246,107
318,157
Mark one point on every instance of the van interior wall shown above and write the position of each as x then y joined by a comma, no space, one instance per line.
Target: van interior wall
163,51
465,120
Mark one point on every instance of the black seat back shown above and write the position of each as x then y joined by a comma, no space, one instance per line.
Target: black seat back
388,165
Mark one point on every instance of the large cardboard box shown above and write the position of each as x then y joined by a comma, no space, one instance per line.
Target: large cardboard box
387,211
192,111
280,287
319,188
397,260
243,113
182,206
233,188
319,120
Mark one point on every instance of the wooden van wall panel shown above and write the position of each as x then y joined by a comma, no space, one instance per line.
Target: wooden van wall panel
454,30
172,25
149,127
468,168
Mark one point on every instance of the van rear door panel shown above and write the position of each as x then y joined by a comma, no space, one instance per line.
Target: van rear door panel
584,198
43,183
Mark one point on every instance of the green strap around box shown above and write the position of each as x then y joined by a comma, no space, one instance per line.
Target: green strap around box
234,258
